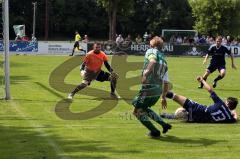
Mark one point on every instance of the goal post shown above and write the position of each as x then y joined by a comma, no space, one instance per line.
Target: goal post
5,17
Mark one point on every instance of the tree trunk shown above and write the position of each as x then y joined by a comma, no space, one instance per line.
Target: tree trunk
46,20
112,15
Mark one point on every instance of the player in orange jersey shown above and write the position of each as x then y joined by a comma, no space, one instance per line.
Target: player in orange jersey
91,70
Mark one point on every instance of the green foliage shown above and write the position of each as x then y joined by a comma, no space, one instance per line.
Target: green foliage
235,25
215,16
155,15
114,7
91,17
65,16
133,16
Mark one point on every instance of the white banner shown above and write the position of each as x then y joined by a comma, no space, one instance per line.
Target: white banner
235,50
58,48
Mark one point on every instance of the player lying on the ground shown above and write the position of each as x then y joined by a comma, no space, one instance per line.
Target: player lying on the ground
91,70
154,83
217,51
219,112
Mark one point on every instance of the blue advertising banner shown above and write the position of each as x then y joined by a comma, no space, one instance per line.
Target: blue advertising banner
21,46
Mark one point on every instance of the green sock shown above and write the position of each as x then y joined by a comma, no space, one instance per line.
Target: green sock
147,123
154,116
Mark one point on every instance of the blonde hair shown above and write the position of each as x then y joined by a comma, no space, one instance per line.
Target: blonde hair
156,42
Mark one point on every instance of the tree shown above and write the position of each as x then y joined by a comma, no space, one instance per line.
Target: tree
235,25
214,17
112,7
155,15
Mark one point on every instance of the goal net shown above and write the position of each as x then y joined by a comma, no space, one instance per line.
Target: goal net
168,33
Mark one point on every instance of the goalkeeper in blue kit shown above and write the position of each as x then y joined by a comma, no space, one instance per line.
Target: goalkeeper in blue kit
154,84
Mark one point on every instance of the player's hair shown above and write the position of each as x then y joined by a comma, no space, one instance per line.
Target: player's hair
156,42
97,43
232,103
218,38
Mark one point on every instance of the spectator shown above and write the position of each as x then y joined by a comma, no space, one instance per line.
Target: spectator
234,42
229,40
191,40
138,39
128,38
150,36
119,40
173,39
224,41
207,39
211,41
85,39
202,40
185,40
145,36
179,40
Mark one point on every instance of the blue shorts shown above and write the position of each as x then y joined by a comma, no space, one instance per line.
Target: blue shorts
196,112
213,67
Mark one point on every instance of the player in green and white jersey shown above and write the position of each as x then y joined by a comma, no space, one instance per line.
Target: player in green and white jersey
154,84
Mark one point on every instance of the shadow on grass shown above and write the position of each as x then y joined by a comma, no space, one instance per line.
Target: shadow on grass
28,142
196,142
16,79
50,90
13,64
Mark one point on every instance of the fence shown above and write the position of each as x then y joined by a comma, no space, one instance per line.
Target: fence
65,47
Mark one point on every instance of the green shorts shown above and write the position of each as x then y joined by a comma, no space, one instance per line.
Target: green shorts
143,100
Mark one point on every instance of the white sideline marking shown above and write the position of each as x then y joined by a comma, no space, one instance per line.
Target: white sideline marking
38,128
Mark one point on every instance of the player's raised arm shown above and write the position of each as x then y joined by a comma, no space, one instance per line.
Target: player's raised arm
205,84
148,70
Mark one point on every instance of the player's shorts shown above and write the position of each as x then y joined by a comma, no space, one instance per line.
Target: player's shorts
76,44
101,76
196,112
143,100
212,67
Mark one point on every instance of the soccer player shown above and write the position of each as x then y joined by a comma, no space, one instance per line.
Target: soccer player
154,83
217,51
219,112
76,44
91,70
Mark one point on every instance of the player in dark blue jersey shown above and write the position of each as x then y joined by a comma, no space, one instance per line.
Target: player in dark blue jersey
219,112
217,51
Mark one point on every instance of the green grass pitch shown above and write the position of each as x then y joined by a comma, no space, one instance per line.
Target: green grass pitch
31,129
